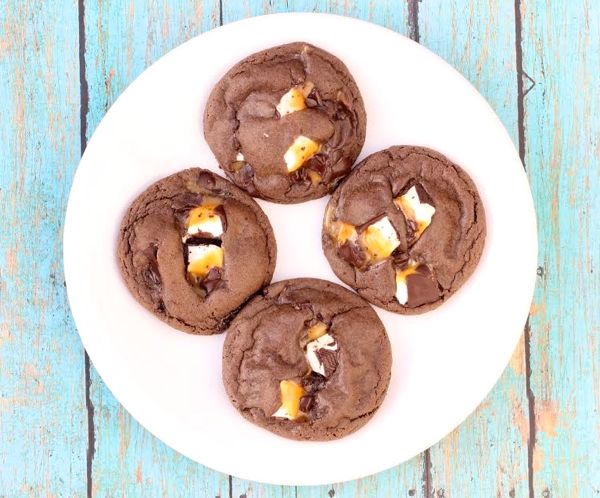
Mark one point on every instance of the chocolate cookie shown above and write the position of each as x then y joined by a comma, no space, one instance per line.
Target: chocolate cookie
193,248
406,229
286,124
307,359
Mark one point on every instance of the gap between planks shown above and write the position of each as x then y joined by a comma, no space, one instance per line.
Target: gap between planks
83,111
521,93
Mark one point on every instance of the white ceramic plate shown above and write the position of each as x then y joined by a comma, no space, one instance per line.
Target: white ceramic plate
445,361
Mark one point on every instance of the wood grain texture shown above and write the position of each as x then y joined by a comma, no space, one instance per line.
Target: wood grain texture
487,454
42,415
561,57
392,14
122,38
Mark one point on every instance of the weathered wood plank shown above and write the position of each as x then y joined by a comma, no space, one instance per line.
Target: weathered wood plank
487,454
406,480
123,37
42,415
561,54
392,14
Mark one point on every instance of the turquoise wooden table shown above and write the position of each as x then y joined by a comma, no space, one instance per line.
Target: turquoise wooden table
62,64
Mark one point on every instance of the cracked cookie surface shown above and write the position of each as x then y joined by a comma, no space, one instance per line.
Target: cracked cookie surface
405,230
286,124
307,359
193,248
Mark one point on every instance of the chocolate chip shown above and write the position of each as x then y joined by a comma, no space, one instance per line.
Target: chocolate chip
353,254
206,179
246,178
329,360
315,96
151,276
202,239
400,258
421,287
316,163
300,175
306,403
411,231
213,280
313,382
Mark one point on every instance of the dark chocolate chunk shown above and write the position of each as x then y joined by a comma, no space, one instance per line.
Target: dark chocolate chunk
313,382
301,175
306,403
316,163
411,231
202,239
400,258
151,276
246,178
353,254
213,280
206,179
329,360
315,97
421,287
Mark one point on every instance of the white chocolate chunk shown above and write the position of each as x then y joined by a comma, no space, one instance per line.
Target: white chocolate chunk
204,219
299,152
380,239
401,276
239,157
282,412
413,209
212,226
203,257
291,101
291,393
323,342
